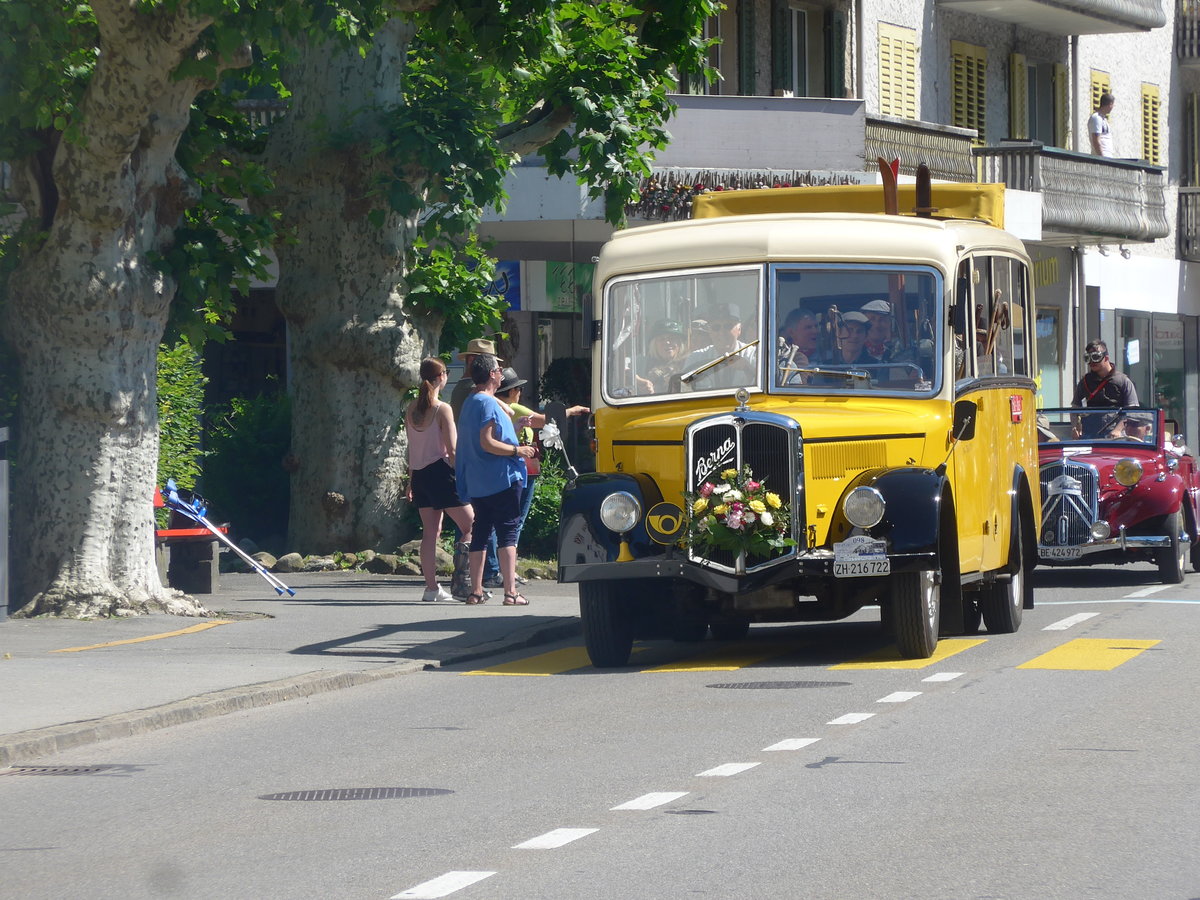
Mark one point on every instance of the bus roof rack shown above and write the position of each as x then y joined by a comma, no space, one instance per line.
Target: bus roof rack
980,202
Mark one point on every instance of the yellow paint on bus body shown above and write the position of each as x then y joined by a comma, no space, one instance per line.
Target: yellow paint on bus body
887,658
150,637
1089,654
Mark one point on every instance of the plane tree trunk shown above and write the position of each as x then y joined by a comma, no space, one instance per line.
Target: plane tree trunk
85,314
354,351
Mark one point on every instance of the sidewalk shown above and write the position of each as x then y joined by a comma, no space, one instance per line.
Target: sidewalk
340,629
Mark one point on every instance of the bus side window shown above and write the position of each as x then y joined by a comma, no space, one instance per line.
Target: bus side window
962,321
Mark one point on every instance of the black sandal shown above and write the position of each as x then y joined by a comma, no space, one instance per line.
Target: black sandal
476,599
515,600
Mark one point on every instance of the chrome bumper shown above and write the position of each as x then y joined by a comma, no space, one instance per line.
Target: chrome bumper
1120,541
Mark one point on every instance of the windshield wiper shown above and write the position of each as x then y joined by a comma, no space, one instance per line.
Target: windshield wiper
689,377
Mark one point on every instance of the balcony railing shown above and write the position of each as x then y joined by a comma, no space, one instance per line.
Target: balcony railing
1067,17
1187,32
944,149
1187,226
1085,199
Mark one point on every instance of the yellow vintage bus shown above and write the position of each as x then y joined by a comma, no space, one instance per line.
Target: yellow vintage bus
805,406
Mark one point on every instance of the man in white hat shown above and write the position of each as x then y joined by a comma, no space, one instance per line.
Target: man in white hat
464,387
879,336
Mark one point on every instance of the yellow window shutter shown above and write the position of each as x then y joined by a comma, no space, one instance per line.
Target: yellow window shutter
1151,124
897,71
1018,98
1101,84
968,87
1191,141
1062,106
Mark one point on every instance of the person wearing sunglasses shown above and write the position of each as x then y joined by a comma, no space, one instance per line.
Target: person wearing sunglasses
1102,386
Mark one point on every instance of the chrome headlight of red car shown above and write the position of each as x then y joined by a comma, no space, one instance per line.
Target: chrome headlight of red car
1127,472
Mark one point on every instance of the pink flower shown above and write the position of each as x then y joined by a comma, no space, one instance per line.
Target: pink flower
734,520
752,485
706,489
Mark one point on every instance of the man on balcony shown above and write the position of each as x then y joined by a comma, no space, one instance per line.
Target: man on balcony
1098,129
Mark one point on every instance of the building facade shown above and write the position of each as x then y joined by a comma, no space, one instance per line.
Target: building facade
813,91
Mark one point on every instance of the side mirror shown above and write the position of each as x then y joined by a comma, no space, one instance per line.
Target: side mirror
965,413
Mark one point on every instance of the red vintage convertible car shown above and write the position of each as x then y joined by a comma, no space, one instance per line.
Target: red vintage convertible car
1116,488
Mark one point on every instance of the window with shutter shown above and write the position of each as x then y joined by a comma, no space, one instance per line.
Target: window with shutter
968,102
1151,124
897,71
1018,97
1191,141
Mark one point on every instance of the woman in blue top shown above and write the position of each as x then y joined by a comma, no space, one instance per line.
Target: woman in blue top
490,470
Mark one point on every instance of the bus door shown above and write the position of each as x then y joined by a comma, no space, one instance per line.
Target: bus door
975,469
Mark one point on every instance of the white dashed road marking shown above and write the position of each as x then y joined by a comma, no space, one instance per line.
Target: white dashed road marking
442,886
556,838
1146,592
792,744
850,719
943,676
1064,624
726,770
649,801
899,697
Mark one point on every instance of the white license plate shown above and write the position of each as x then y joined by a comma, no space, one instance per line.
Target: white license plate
856,568
1059,552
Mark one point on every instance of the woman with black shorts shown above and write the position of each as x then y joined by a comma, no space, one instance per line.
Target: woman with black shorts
431,441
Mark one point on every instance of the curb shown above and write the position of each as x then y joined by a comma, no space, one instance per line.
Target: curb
22,746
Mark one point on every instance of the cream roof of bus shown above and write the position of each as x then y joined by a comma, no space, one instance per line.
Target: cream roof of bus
798,237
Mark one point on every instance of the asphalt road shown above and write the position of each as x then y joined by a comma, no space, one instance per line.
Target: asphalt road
1059,762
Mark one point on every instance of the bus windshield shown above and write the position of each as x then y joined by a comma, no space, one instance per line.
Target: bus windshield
815,328
849,328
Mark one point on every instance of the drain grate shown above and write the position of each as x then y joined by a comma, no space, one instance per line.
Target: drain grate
371,793
68,770
777,685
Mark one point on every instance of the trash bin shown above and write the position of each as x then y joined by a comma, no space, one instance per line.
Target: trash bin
3,524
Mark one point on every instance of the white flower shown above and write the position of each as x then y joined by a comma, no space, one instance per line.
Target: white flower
721,489
550,436
734,495
751,518
767,519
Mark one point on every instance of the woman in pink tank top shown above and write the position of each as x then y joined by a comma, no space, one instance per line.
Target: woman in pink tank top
431,439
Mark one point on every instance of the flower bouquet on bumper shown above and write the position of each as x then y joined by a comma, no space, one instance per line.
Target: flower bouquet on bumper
737,513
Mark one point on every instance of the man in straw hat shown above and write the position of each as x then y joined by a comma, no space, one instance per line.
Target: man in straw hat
464,387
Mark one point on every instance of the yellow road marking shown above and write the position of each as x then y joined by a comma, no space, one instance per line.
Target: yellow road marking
150,637
1090,654
553,663
887,658
728,659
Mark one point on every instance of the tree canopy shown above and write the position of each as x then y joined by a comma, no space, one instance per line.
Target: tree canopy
124,123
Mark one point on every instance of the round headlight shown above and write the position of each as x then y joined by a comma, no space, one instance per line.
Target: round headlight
1128,472
1100,530
863,506
620,511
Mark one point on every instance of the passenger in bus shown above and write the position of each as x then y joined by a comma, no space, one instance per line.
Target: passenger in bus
725,320
852,337
879,335
666,352
798,339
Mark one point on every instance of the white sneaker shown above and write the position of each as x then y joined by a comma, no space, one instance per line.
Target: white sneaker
435,594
